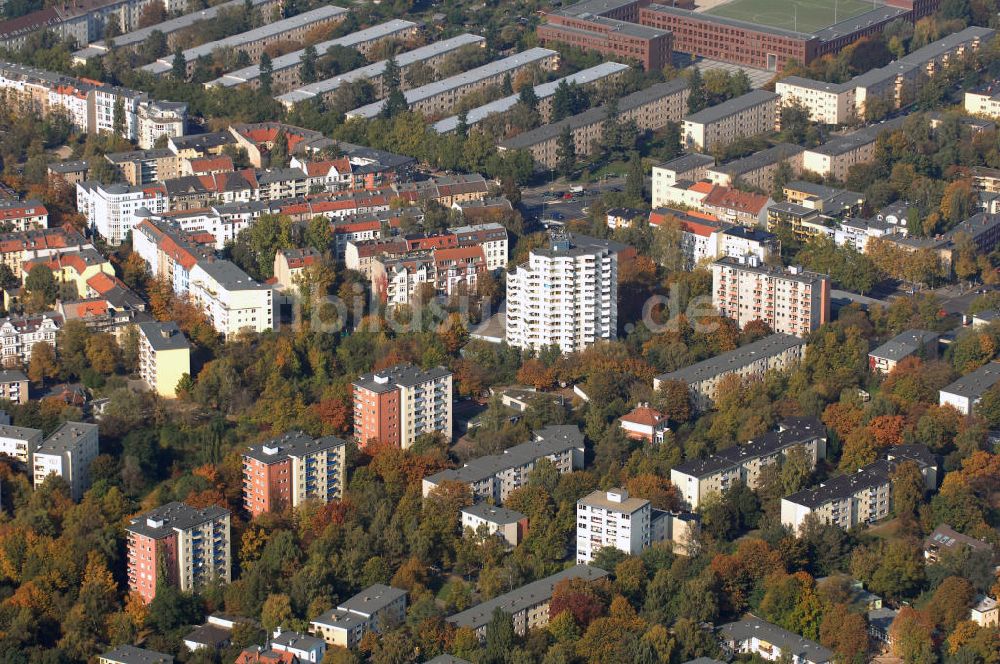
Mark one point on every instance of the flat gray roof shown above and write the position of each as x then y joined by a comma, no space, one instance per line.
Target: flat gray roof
843,487
688,162
291,444
811,84
489,70
372,599
854,24
904,344
791,431
173,516
12,376
549,440
790,643
229,276
322,13
289,60
594,115
64,439
19,433
307,92
528,595
408,375
595,7
732,107
734,359
759,160
542,91
975,383
164,336
493,513
99,48
136,655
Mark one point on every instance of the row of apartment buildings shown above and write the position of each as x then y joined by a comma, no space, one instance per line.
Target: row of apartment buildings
90,106
174,29
285,69
254,42
894,86
650,109
592,77
79,21
431,55
717,126
66,453
442,96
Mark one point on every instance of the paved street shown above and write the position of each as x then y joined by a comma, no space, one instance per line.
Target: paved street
540,203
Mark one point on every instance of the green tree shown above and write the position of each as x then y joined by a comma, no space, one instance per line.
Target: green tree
41,281
696,85
266,76
178,67
565,152
307,72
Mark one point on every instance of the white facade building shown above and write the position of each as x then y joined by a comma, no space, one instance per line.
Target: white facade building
68,453
231,299
611,519
565,295
111,209
19,442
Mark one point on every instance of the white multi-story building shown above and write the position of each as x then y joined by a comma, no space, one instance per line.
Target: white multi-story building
159,118
772,643
111,209
68,453
690,167
493,477
698,478
493,239
790,300
827,103
19,334
194,543
565,295
19,442
232,300
611,519
919,343
749,115
508,525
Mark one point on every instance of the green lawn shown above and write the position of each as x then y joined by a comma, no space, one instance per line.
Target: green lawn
803,15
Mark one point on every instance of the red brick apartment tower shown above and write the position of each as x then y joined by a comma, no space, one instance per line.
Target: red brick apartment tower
267,484
376,411
144,551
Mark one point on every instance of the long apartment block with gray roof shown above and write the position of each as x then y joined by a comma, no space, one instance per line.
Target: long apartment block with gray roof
441,96
286,68
544,92
430,55
911,343
965,393
754,635
253,42
698,478
374,609
748,115
528,605
494,476
651,109
856,498
169,28
776,352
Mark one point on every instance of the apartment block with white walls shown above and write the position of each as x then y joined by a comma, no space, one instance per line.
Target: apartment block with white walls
68,453
232,300
111,209
611,519
565,294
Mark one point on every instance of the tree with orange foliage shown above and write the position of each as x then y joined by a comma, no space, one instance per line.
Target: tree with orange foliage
656,489
336,414
739,573
534,373
912,636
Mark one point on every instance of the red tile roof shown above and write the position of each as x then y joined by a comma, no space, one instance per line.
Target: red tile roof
643,415
734,199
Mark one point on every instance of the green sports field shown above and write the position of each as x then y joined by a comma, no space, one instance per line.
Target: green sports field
803,15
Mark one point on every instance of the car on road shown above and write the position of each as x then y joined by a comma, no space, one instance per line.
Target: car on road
585,210
557,215
567,196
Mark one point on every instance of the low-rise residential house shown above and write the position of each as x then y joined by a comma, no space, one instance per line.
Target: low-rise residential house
911,343
945,539
19,334
754,636
23,215
965,393
644,423
985,612
303,647
134,655
509,525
